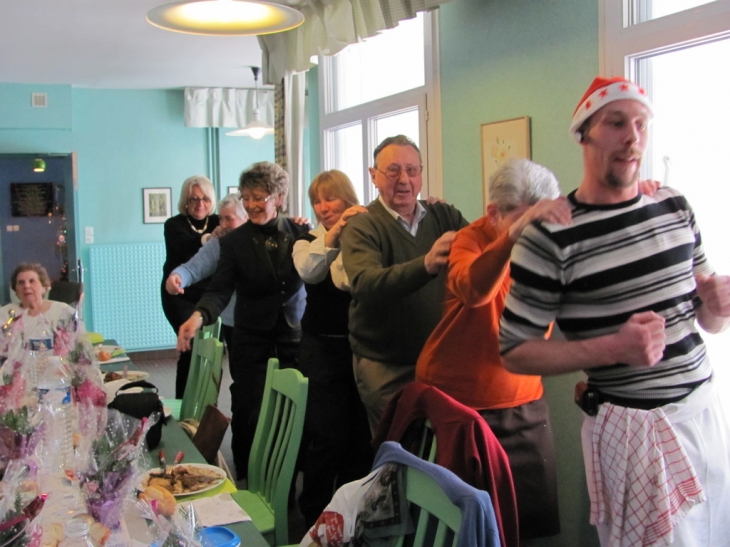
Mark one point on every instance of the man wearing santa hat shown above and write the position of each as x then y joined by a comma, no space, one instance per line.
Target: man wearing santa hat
628,284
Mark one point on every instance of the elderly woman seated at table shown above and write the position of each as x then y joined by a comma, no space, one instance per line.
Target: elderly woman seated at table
30,282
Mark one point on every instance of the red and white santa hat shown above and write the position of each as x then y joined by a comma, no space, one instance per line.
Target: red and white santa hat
603,91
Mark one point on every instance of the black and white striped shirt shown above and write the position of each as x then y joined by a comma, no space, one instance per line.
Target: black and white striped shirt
614,261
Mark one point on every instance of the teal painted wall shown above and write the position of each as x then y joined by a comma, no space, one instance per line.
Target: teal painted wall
237,153
126,141
502,60
16,111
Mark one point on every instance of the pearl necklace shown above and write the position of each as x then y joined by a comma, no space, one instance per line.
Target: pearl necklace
194,229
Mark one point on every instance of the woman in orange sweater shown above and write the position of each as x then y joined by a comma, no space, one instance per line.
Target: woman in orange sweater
461,357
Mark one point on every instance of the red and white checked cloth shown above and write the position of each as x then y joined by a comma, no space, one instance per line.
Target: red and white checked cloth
643,481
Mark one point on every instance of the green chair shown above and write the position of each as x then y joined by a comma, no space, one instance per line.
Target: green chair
204,379
213,330
437,518
427,445
274,452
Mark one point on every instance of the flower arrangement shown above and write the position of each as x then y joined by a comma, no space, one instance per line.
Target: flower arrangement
20,504
111,476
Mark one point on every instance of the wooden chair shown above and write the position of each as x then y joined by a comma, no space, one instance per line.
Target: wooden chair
274,452
204,379
437,518
439,505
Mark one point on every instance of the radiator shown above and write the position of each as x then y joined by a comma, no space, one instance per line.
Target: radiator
124,286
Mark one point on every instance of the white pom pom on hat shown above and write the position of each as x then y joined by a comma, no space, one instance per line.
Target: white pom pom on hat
603,91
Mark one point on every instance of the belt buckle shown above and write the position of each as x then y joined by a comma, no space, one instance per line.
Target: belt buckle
586,398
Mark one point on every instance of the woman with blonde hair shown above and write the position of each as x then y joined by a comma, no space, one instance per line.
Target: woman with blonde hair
336,431
185,234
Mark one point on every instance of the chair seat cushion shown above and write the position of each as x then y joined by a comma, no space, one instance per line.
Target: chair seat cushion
259,511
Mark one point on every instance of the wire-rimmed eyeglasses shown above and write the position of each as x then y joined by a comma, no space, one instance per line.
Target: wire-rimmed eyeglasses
394,172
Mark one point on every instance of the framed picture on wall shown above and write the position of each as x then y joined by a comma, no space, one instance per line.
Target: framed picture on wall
157,204
233,189
501,141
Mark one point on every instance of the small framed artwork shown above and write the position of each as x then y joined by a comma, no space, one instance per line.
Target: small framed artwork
233,189
501,141
157,204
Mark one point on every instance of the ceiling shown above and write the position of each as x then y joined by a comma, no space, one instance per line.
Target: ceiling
108,44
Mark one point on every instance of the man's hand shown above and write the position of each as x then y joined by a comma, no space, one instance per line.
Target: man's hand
714,291
434,199
641,340
549,210
187,331
438,256
173,285
332,237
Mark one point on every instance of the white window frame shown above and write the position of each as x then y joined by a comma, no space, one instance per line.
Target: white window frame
620,44
426,98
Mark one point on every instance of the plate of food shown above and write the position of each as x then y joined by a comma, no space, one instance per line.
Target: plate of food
130,376
110,354
185,479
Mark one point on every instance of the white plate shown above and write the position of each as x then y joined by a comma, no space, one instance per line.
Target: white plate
192,467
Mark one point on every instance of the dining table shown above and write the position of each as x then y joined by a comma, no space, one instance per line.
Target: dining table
175,440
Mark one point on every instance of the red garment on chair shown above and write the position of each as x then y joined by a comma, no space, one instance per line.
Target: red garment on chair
465,445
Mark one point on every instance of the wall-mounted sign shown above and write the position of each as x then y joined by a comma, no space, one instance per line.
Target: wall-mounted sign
31,199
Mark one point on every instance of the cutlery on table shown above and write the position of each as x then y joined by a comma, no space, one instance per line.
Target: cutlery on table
163,466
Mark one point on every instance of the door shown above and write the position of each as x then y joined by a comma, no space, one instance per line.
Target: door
36,216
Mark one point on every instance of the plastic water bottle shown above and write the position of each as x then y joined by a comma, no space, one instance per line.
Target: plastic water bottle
55,398
40,348
77,534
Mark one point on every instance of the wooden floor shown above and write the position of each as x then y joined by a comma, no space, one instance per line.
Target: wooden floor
162,368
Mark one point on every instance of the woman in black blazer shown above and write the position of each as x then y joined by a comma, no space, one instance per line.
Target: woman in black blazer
184,235
256,262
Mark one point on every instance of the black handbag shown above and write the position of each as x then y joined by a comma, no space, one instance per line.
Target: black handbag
140,405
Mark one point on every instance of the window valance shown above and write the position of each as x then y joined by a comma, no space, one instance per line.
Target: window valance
330,26
226,107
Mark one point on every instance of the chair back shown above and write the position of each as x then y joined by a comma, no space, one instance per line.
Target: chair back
426,449
436,517
212,331
204,379
69,292
276,442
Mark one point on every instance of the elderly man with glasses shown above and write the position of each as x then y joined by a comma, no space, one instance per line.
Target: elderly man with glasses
395,259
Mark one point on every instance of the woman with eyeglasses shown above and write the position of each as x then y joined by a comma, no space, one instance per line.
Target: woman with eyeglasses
256,262
184,235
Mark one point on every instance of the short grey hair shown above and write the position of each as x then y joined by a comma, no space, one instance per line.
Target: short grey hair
266,176
519,182
398,140
205,186
232,200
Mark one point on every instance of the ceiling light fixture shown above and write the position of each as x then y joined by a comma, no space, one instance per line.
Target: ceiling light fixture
39,165
255,128
225,17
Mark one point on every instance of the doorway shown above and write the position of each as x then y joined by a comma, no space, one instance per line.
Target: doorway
36,216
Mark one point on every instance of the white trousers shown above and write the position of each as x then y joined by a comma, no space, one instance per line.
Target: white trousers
702,424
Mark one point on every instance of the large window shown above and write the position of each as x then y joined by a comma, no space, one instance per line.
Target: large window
375,89
678,50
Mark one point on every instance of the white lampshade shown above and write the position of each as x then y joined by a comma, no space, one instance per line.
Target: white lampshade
225,17
255,128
